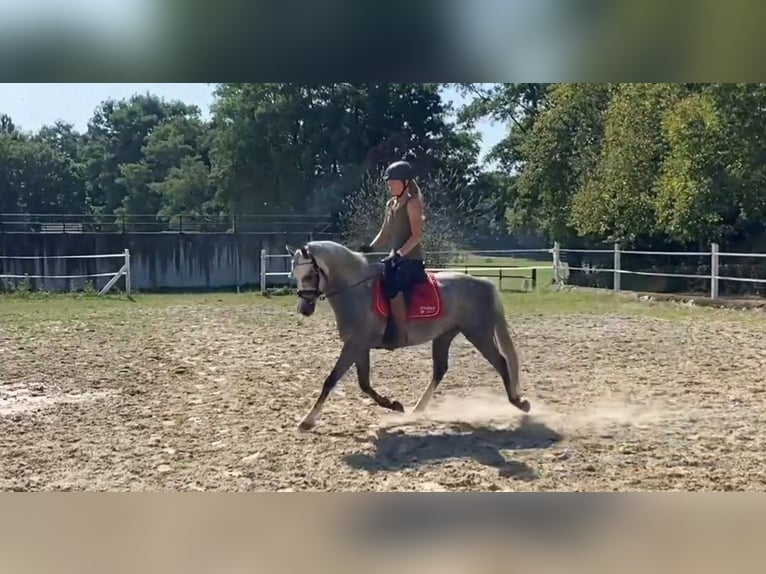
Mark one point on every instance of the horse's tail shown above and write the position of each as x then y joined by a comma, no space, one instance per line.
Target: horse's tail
506,347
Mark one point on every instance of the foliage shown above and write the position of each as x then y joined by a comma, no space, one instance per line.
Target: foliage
267,148
303,147
650,165
444,232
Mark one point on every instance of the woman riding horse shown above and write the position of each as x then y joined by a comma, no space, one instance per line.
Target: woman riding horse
402,230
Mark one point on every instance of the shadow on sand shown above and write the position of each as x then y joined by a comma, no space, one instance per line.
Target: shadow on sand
397,450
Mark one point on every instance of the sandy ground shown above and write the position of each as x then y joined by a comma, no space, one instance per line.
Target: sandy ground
199,397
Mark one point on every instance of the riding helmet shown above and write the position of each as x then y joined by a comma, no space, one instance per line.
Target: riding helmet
399,170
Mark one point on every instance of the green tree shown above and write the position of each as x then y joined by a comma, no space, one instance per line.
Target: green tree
558,155
187,190
304,147
694,191
742,109
6,125
618,200
172,148
37,178
116,135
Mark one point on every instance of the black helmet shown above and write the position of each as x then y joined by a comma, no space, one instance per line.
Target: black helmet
399,170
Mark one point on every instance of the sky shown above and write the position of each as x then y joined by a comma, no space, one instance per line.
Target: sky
32,106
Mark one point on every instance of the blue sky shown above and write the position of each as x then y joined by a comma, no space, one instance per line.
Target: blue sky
33,105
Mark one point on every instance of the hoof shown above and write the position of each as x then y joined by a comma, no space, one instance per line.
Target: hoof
522,404
306,425
397,406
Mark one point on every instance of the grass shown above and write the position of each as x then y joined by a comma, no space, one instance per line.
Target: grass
34,309
544,276
65,306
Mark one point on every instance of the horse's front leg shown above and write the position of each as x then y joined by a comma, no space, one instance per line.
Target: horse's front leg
363,373
348,355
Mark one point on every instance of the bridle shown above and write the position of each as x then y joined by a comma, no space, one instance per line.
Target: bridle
311,295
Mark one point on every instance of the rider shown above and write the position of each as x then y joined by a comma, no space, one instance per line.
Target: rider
402,230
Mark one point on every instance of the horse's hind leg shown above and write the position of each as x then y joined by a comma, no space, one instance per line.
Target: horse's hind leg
363,374
440,355
485,343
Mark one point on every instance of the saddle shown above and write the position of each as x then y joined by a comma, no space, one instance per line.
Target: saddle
423,300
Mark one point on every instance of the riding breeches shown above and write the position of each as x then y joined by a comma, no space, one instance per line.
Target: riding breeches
401,276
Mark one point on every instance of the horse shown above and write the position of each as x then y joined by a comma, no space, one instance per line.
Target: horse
448,304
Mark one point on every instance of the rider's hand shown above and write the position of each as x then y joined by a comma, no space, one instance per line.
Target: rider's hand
392,258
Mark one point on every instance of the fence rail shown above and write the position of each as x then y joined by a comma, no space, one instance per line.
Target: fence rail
561,268
617,270
475,270
110,223
123,271
709,272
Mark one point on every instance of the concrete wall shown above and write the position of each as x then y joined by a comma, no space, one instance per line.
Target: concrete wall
158,261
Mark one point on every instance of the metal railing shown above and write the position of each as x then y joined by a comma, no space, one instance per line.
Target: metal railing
106,223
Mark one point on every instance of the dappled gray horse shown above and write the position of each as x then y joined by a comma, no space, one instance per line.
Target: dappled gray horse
439,310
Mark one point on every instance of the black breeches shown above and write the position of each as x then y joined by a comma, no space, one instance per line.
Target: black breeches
402,276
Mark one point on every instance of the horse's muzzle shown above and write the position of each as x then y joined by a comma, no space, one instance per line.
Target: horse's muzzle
306,307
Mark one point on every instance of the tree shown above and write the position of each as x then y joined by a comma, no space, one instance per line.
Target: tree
187,190
694,190
303,147
617,199
515,104
557,156
37,178
742,109
154,185
116,136
6,125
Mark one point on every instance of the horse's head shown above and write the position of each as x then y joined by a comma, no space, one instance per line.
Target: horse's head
311,278
325,269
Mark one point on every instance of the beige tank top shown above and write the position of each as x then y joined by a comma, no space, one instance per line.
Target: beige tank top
399,220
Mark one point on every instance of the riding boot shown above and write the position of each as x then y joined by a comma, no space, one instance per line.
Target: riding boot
399,311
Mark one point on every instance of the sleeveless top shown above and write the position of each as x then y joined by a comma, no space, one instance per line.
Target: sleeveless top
399,222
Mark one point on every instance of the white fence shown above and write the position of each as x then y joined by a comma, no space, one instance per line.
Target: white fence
617,270
475,270
561,269
123,271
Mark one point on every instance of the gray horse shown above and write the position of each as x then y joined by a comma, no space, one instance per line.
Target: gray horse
470,305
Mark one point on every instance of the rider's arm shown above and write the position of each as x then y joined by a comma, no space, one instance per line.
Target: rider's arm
385,230
415,213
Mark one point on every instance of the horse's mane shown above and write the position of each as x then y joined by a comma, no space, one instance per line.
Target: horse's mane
335,254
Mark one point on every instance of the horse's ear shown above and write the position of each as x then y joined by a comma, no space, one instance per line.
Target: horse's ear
290,250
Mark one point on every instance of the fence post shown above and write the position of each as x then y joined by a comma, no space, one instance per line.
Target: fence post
263,271
617,266
556,262
239,262
127,272
714,271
